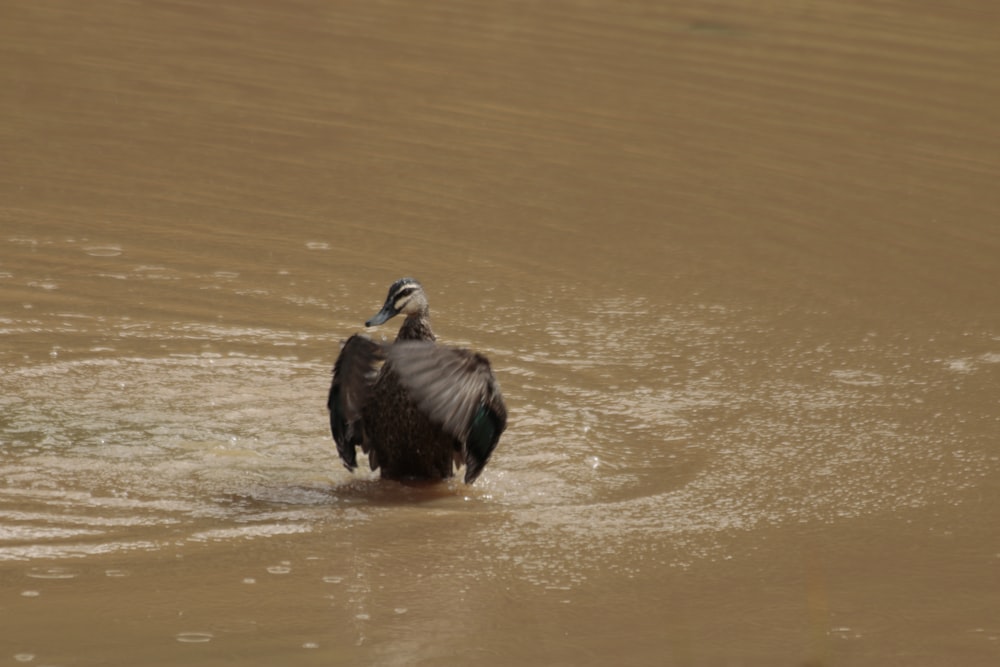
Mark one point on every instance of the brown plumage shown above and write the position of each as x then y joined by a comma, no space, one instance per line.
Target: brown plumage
427,408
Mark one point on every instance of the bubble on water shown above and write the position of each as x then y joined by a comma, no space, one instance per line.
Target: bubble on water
194,637
844,633
279,569
961,365
249,580
116,573
400,610
52,573
362,616
593,462
331,579
318,245
24,657
30,594
103,250
310,645
858,378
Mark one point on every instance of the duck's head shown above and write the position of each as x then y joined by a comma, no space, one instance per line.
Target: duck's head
406,296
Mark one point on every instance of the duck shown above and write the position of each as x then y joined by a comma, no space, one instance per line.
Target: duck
417,408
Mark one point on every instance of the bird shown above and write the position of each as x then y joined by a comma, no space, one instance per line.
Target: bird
417,408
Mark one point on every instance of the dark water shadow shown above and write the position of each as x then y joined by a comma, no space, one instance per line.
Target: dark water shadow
370,492
384,492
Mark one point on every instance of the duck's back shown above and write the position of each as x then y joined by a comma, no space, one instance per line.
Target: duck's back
401,441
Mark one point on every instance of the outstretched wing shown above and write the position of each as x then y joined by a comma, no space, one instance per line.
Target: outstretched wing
455,388
353,376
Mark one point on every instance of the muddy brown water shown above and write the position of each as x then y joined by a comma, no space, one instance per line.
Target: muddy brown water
736,266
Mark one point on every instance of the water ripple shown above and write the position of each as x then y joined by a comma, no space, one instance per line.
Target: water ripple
674,432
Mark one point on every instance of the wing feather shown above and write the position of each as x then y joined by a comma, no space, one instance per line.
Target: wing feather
449,384
353,375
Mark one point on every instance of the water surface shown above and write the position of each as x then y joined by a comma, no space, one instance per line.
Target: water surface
735,268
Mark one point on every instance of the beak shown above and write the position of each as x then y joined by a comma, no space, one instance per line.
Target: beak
382,315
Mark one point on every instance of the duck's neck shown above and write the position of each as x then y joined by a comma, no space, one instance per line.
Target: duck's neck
416,327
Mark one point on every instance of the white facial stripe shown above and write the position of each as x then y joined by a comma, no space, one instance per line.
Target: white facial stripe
402,303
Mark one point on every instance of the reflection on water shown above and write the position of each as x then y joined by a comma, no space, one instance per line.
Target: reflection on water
735,269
